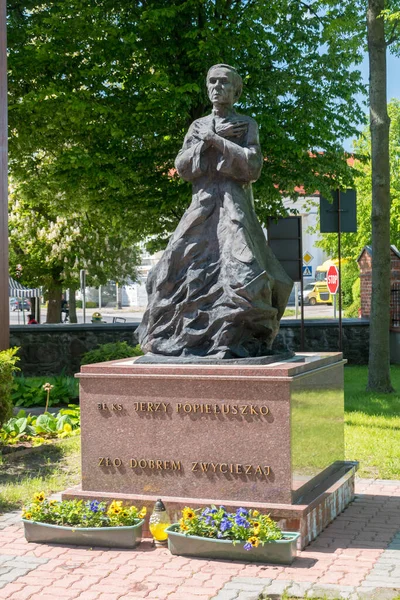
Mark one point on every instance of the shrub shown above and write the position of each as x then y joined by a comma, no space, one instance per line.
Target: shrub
350,274
8,366
111,351
28,391
352,312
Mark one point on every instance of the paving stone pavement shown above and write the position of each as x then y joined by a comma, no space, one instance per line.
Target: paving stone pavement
357,557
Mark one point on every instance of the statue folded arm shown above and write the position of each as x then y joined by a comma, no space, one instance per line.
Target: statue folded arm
242,163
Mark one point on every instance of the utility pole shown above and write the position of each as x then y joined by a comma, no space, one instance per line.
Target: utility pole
4,301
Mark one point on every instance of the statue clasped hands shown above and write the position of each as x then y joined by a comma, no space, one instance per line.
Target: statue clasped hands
226,129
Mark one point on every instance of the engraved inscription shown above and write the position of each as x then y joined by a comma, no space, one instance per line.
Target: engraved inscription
232,468
109,462
159,465
111,406
151,406
223,409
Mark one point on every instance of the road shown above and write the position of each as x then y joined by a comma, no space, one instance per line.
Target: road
131,315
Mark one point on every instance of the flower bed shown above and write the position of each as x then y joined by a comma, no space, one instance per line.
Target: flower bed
244,535
83,523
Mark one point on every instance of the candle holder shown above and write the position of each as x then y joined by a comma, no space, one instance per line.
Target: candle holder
158,523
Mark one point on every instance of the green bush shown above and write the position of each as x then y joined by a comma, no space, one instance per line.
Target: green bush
89,304
28,391
350,274
8,366
352,312
111,351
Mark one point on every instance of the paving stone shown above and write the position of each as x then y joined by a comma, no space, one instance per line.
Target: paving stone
377,594
253,586
252,580
299,589
226,595
277,587
327,592
248,596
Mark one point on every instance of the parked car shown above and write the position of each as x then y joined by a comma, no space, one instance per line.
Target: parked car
19,304
316,293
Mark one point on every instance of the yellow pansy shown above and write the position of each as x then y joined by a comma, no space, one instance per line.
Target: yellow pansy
115,507
188,513
254,541
39,497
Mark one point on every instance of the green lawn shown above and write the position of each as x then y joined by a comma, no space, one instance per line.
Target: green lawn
53,469
372,431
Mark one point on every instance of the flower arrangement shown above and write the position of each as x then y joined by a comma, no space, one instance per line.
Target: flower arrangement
80,513
247,526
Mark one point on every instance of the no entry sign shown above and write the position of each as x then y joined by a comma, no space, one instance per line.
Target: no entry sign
332,278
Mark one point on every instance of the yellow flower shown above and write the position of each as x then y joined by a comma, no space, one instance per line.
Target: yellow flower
255,513
188,513
256,528
115,508
27,515
142,513
39,497
183,525
254,541
52,502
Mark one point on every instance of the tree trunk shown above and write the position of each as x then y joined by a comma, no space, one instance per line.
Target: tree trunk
72,305
54,304
379,348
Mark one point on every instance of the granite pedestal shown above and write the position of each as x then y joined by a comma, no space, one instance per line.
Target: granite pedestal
265,436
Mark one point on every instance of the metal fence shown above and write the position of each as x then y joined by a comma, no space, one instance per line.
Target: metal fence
395,305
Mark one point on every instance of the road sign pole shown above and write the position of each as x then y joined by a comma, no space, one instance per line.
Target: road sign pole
340,274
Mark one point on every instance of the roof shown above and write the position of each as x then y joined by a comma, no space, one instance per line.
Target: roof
368,249
17,290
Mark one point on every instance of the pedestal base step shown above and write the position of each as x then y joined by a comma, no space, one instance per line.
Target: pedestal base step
318,509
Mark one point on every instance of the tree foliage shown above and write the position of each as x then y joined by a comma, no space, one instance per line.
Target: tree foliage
102,93
53,247
353,243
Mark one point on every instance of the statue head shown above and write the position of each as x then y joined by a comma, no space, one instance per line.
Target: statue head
224,84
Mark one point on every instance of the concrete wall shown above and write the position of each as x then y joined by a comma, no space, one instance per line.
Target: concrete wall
50,349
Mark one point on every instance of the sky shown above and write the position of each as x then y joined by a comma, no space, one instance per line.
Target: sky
393,79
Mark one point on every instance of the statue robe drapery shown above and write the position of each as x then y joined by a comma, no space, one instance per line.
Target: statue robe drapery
218,290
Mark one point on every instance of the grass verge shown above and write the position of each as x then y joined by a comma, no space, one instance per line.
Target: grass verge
53,469
372,429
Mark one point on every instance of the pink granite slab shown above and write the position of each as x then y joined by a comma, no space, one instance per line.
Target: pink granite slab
161,429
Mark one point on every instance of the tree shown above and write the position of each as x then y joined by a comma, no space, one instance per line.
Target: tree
52,246
101,120
353,243
378,41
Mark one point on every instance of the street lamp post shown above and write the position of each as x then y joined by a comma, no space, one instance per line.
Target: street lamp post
4,302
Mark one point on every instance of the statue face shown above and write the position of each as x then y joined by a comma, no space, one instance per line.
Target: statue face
221,87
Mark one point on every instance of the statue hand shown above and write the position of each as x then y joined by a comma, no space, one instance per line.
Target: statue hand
204,133
233,129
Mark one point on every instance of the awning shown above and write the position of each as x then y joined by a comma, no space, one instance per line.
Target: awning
17,290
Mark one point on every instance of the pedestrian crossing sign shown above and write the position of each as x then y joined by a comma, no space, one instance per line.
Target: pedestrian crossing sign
307,271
